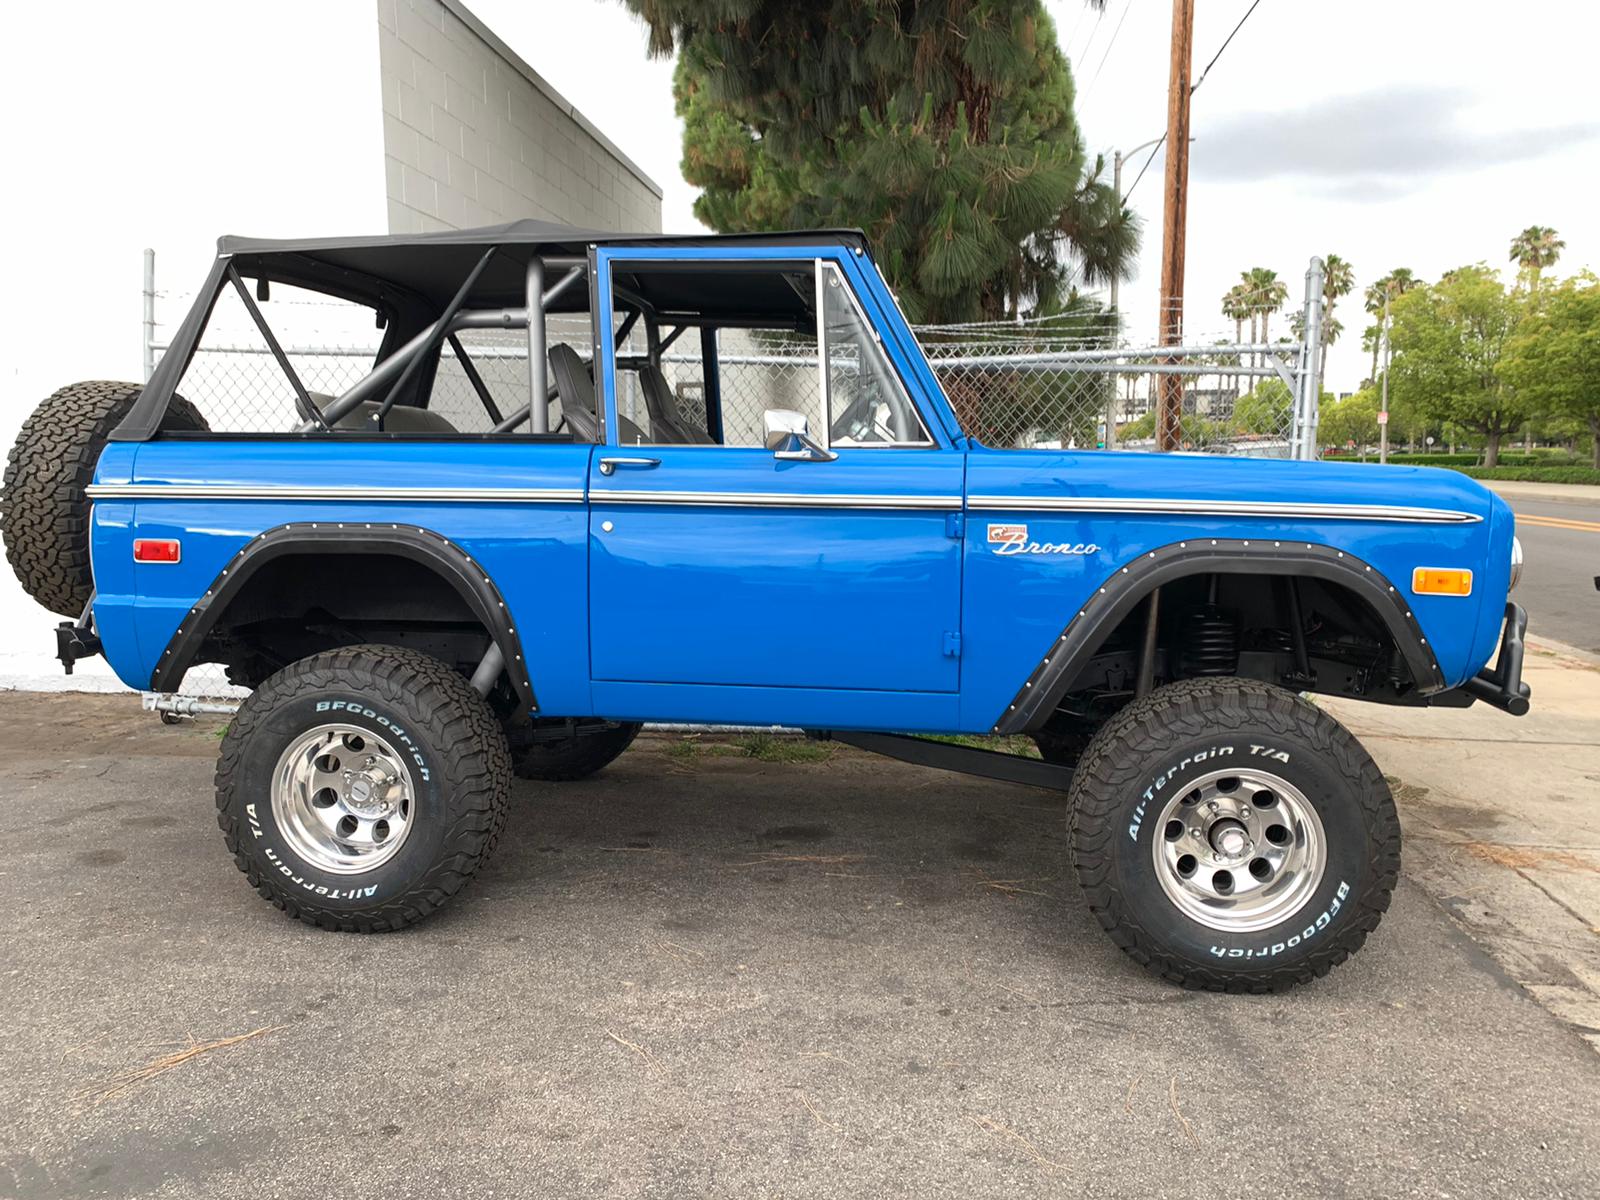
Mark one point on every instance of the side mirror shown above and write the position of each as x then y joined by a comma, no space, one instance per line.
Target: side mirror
788,438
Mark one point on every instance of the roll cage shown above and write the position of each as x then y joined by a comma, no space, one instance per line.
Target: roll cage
426,290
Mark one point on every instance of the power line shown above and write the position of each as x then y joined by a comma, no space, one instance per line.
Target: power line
1154,150
1196,86
1066,42
1088,42
1125,7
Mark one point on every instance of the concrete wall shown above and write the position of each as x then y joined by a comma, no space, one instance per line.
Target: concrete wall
473,136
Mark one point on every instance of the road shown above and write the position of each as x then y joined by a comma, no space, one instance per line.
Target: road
1561,549
702,974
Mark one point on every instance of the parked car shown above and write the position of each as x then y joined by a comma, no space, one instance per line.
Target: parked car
425,600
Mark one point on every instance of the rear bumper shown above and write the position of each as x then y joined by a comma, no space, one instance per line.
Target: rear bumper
1501,685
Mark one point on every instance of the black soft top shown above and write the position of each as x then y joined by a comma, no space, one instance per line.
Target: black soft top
432,265
411,278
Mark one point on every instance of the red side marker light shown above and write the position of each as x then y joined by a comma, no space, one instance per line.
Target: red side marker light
157,550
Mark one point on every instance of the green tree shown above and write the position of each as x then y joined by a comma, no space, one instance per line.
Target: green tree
1265,410
1554,358
1351,421
1533,250
944,128
1449,343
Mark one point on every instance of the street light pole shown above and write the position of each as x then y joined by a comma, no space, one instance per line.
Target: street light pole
1383,402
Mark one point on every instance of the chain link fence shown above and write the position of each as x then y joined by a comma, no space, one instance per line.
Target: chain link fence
1072,382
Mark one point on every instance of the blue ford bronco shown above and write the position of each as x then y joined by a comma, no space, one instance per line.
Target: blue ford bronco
424,600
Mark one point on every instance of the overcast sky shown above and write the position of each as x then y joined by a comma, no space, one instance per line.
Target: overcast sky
1393,134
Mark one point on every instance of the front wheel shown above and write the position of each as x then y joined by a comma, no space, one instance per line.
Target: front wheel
361,788
1232,836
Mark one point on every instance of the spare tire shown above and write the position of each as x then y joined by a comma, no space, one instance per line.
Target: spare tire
44,510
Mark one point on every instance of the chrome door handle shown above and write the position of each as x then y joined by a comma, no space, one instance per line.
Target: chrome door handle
608,465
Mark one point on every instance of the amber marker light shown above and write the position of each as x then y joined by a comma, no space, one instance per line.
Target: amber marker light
1441,581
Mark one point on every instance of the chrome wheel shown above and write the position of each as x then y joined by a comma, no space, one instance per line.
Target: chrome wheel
1239,850
343,799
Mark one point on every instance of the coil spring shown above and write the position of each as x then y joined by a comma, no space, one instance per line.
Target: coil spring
1208,642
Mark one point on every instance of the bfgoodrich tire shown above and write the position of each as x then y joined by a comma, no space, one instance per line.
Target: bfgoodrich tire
44,512
1232,836
560,760
361,788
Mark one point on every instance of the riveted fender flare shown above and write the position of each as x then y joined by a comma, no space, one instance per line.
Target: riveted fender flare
423,546
1115,597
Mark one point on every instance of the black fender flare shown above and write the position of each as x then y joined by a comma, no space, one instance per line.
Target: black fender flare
1115,597
432,550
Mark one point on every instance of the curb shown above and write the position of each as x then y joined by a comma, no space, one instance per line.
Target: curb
1587,657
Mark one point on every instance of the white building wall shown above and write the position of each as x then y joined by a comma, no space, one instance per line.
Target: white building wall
474,136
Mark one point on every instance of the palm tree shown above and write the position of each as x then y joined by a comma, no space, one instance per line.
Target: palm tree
1534,249
1392,286
1338,279
1236,307
1371,337
1267,295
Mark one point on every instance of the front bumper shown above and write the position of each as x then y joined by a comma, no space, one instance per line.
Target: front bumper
1501,685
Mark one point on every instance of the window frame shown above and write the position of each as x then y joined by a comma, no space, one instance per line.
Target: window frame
606,260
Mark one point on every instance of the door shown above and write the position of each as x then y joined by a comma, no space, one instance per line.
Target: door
835,567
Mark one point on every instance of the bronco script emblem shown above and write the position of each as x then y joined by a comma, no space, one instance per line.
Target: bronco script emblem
1013,539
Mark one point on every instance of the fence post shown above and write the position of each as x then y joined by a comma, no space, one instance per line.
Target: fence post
1303,442
149,359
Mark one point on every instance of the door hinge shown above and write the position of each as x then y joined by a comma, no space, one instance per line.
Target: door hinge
952,645
955,525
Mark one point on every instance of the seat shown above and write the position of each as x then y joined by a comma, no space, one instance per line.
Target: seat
667,421
402,418
575,388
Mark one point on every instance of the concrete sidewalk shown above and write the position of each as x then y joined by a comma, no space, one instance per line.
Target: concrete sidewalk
1570,493
1500,823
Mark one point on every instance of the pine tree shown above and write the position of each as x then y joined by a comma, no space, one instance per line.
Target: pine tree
944,128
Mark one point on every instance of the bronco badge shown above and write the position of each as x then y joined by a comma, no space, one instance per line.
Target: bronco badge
1013,539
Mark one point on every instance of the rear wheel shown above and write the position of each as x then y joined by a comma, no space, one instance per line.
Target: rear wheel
1232,836
540,751
44,510
361,788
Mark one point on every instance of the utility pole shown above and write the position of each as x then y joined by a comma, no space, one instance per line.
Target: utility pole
1175,204
1383,402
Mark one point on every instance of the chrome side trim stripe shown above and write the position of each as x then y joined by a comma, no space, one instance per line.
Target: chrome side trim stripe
423,495
773,500
1221,508
1079,504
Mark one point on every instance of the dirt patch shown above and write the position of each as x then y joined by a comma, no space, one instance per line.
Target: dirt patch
1523,857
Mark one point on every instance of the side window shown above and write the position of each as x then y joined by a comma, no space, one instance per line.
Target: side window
236,383
771,324
868,405
493,360
760,371
476,381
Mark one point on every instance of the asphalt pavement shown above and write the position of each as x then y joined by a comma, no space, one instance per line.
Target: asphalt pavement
1560,532
707,974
